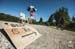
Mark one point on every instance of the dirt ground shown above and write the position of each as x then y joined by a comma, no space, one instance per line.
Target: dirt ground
53,38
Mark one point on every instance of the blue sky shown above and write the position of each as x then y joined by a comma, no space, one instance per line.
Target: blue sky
44,7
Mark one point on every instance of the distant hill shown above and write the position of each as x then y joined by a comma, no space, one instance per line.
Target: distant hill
6,17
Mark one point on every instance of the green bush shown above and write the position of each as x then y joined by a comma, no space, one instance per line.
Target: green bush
70,26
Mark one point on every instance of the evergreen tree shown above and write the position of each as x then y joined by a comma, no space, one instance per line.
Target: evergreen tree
50,20
61,13
41,20
73,18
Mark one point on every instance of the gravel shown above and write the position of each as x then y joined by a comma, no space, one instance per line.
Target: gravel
4,43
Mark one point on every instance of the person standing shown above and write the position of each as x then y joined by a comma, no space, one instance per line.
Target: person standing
22,18
31,9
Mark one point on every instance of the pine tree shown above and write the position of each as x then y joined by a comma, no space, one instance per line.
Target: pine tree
73,18
62,13
41,20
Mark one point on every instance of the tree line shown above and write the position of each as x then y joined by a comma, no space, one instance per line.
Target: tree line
7,17
60,18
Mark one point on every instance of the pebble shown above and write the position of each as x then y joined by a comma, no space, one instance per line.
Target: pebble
4,43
